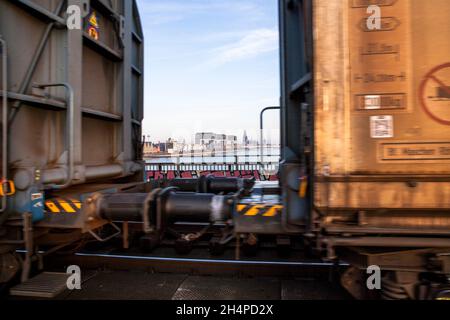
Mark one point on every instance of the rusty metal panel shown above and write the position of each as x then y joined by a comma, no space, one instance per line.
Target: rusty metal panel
382,106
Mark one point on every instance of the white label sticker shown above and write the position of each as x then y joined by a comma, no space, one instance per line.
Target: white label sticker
372,102
36,196
382,127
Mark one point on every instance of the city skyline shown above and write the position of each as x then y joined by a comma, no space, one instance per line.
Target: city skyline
192,138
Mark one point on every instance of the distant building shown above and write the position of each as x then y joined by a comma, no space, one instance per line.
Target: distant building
214,140
150,148
245,139
162,146
158,147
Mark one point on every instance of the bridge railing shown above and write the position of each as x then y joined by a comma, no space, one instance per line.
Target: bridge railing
261,172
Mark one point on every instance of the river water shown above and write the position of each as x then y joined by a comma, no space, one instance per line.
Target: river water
271,155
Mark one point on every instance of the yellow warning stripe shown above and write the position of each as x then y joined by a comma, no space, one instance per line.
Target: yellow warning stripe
273,211
50,206
303,188
254,210
60,205
265,210
67,207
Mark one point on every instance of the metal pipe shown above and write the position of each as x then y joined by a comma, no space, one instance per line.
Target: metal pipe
51,176
196,207
261,128
167,205
70,132
29,246
107,171
4,118
122,206
211,184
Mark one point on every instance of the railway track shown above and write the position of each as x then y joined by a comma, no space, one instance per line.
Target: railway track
200,263
132,275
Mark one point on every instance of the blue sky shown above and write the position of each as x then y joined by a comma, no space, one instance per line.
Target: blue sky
210,65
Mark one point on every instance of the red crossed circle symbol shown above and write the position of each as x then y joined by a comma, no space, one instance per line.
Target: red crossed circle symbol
431,76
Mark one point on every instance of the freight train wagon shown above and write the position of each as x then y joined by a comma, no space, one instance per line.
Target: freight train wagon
365,138
365,117
71,89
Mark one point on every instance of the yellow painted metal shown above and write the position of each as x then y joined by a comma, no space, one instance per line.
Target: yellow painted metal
273,211
52,207
60,205
7,188
259,209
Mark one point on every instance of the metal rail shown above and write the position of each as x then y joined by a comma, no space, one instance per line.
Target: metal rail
206,260
261,128
70,132
165,167
4,118
199,265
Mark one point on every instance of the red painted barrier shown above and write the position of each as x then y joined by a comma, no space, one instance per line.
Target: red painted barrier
158,175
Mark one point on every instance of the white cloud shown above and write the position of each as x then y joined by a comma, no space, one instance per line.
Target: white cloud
254,43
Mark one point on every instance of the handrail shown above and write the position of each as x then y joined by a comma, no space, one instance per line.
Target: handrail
261,128
4,119
69,129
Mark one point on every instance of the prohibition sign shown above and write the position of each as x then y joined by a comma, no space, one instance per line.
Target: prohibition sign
436,104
